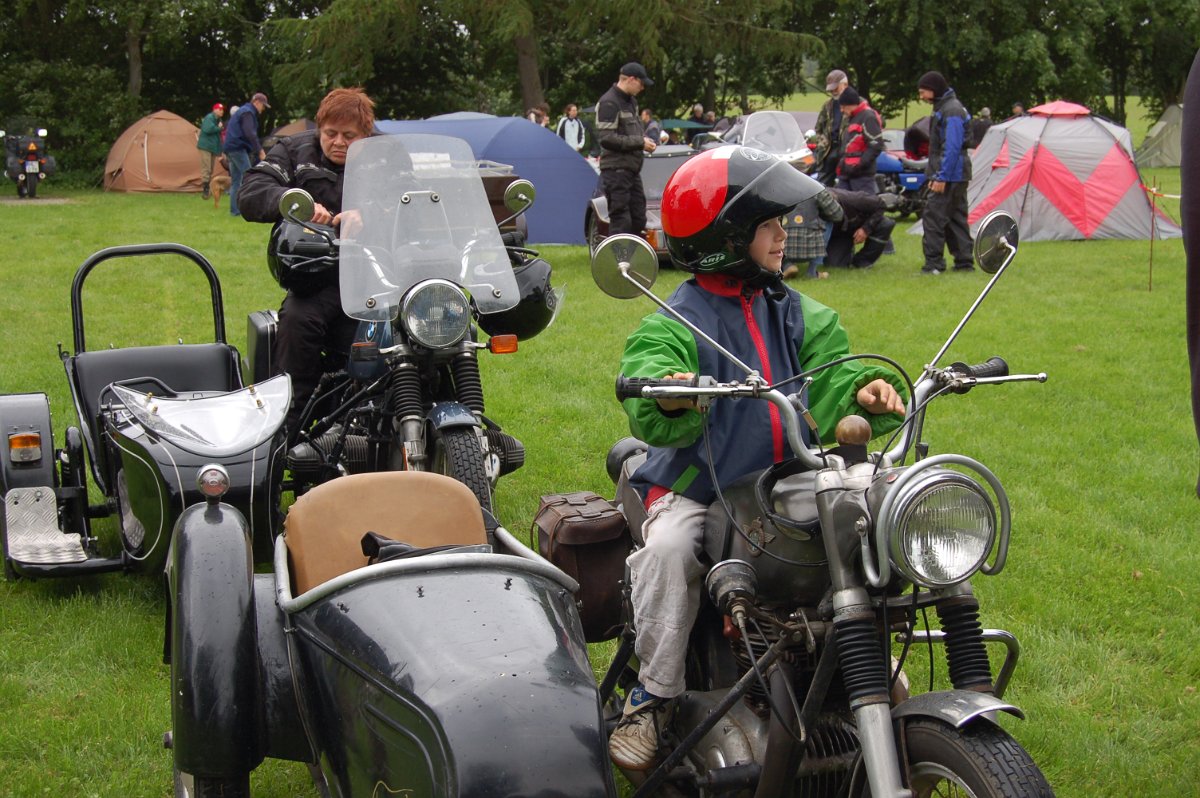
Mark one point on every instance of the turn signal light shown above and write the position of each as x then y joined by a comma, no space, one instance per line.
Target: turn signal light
25,447
503,344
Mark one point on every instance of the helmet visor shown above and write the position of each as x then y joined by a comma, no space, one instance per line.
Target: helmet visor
773,192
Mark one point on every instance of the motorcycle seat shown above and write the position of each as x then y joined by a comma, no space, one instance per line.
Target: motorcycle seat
324,528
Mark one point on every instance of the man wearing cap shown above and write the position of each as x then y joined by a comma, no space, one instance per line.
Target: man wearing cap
622,142
830,126
862,141
948,172
241,144
209,144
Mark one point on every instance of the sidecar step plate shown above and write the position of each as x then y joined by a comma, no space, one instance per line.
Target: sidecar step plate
32,532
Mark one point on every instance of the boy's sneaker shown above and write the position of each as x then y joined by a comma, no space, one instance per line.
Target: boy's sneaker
930,270
634,743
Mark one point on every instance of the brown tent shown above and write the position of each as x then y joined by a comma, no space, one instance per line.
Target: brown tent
156,153
290,129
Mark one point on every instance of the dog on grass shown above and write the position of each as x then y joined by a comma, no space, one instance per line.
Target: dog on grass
217,186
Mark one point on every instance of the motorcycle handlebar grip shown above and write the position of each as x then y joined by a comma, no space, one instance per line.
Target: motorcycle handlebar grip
513,238
631,387
993,367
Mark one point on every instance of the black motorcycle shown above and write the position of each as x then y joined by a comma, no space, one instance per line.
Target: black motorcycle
823,569
424,268
26,162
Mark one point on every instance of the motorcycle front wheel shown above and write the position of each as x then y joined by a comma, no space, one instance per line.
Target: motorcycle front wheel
979,761
457,454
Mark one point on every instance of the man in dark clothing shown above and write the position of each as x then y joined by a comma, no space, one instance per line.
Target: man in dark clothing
980,125
862,141
1189,211
863,223
830,126
311,320
622,142
949,172
241,144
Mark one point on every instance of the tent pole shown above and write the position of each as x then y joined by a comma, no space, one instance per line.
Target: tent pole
1153,231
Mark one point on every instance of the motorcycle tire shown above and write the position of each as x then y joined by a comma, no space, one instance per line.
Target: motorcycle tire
189,786
457,454
593,232
980,760
31,183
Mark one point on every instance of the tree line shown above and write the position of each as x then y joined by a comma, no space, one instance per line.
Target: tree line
87,69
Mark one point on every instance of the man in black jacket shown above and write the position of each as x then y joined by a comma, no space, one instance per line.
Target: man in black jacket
862,141
310,320
948,172
622,142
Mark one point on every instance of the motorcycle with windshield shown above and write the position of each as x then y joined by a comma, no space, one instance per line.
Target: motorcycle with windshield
26,162
794,686
424,268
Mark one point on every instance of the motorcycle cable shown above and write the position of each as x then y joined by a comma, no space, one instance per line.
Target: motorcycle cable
759,547
917,413
907,639
799,738
867,355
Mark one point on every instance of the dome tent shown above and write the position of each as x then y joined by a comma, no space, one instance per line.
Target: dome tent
1163,144
156,153
1063,174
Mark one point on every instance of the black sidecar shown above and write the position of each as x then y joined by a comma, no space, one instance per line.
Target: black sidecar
450,670
150,418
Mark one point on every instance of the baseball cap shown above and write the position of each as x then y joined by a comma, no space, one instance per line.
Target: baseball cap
635,70
218,107
260,97
833,79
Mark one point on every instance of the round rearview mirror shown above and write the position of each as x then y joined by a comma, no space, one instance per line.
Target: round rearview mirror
996,241
623,262
297,205
519,195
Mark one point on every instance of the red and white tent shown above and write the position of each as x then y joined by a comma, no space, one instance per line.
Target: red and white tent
1063,174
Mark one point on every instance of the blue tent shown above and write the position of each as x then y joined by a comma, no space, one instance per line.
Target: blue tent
564,180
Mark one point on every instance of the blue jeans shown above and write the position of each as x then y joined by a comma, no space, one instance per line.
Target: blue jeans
239,164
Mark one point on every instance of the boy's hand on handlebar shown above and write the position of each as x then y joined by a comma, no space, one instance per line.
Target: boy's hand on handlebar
678,404
879,397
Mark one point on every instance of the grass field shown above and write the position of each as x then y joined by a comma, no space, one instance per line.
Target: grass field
1100,464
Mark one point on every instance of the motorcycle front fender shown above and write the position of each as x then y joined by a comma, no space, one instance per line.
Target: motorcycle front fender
956,707
216,707
446,415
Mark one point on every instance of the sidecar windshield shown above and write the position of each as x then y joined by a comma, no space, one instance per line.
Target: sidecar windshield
414,208
213,426
776,132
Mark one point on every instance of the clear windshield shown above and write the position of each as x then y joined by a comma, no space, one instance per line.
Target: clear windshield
776,132
414,208
213,426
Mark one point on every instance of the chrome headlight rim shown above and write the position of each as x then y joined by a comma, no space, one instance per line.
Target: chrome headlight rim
901,529
412,323
879,571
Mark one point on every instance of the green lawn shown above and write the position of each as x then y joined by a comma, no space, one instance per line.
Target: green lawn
1100,464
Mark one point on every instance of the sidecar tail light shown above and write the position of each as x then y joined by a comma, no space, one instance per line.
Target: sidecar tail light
213,481
502,344
25,447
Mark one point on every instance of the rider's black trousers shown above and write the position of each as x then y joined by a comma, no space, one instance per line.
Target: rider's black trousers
308,326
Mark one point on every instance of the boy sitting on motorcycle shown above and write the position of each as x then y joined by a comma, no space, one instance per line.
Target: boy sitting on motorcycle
721,214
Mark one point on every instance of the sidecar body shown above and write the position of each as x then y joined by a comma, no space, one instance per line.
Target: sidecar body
458,669
149,419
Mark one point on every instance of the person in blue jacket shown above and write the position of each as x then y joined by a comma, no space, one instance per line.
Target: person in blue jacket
722,214
948,172
242,145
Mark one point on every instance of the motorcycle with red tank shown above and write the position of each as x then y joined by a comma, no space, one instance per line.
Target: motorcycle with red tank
822,570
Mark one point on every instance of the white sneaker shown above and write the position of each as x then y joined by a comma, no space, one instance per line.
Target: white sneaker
634,743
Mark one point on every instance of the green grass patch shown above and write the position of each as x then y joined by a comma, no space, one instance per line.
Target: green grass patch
1100,464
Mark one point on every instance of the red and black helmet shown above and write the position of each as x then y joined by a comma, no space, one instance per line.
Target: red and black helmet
713,204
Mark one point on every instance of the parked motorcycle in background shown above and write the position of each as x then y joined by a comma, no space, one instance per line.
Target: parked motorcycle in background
424,268
819,565
26,162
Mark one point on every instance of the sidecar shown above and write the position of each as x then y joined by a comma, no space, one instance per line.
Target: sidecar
149,418
457,668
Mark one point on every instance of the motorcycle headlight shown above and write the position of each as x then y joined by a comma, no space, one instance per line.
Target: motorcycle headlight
940,527
436,314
